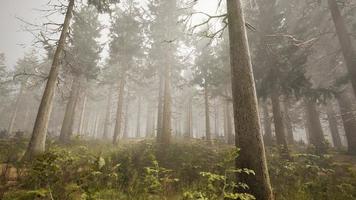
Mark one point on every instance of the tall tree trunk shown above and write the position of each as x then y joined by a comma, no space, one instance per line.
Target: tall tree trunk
148,120
345,41
189,121
216,118
16,107
125,135
268,138
160,107
138,121
207,113
229,132
288,121
279,126
68,121
118,123
335,135
349,121
38,139
82,114
247,126
108,114
316,134
166,121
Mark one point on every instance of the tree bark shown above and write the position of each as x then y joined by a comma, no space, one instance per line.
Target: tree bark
118,123
279,126
335,135
316,134
38,139
247,127
68,121
207,113
348,120
345,41
108,114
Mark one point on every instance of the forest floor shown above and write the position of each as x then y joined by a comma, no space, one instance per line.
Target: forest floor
143,170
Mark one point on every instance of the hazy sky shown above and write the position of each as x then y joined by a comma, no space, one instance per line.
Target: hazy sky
14,41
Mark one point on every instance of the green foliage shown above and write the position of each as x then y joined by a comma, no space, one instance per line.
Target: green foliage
146,171
216,186
311,177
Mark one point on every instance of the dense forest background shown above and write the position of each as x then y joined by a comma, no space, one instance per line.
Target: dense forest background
159,99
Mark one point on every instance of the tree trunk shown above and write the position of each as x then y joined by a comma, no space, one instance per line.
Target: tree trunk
189,125
16,107
166,121
108,114
315,130
247,126
229,134
82,114
118,123
216,118
345,41
148,120
288,121
207,113
279,126
38,139
125,135
335,135
268,138
68,121
160,108
349,121
138,121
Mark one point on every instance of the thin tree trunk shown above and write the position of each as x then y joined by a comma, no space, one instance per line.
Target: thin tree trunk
335,135
166,121
288,122
207,114
216,118
315,130
345,41
68,121
16,107
148,120
268,138
118,123
82,114
279,126
160,108
348,120
108,114
138,121
230,135
247,127
189,127
126,128
38,139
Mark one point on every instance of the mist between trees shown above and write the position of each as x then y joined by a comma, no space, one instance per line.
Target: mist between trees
265,88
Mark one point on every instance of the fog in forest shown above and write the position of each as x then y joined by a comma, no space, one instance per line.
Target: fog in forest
177,99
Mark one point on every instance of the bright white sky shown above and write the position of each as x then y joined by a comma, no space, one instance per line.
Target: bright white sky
14,42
